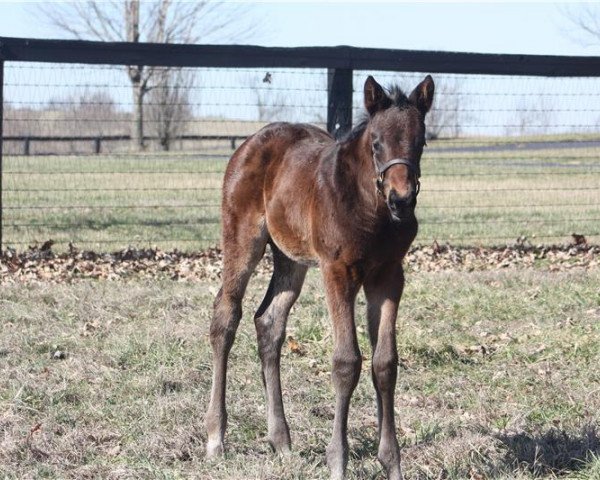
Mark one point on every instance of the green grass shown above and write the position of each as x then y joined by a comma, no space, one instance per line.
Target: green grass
172,200
113,201
498,380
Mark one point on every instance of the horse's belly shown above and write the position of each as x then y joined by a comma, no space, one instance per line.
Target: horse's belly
292,240
298,256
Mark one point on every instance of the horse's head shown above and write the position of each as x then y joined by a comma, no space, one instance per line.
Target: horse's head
396,132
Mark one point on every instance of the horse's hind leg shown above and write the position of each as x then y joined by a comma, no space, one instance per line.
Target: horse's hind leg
243,246
383,291
270,320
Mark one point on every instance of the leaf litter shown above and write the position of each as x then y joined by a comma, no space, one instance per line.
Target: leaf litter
42,264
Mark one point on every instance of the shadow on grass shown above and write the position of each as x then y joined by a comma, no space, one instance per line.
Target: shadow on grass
553,452
103,224
365,443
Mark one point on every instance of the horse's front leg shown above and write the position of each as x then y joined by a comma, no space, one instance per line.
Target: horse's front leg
341,287
383,291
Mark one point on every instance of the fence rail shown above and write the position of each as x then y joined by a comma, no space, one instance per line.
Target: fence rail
97,140
244,56
516,153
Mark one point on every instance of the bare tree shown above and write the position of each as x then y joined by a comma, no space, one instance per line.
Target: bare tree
273,104
158,21
270,109
443,120
534,115
584,23
169,108
270,103
91,113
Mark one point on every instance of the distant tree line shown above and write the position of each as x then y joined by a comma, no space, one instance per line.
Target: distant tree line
157,21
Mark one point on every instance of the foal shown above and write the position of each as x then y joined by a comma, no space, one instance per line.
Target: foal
349,208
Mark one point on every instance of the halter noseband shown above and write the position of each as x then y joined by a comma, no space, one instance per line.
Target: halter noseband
397,161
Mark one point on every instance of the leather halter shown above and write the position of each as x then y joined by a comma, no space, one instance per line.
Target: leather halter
397,161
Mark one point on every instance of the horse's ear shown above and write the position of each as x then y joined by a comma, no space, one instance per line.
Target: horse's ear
422,95
375,97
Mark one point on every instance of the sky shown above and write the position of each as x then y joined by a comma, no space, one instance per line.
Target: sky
491,27
486,27
529,28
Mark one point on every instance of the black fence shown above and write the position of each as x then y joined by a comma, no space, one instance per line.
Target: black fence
512,156
96,142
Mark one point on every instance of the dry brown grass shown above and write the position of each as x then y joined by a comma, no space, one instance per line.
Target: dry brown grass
499,380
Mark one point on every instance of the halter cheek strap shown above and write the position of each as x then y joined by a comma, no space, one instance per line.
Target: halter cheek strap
397,161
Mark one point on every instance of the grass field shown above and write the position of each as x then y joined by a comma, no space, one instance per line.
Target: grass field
499,379
172,200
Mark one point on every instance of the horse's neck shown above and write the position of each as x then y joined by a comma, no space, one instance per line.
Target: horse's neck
359,161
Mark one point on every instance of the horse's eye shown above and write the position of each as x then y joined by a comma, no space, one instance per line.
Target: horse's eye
376,146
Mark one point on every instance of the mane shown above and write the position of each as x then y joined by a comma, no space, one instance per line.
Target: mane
357,130
397,98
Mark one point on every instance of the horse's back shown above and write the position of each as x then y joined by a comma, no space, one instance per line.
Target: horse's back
267,148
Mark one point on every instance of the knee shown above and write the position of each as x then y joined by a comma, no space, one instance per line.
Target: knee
266,347
263,324
218,298
385,369
220,334
227,304
346,368
270,336
226,317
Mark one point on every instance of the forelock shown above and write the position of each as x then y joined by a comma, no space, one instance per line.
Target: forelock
398,97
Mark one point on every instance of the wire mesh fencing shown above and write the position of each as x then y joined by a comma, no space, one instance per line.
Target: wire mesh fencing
509,159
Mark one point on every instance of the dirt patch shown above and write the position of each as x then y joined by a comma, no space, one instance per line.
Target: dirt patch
42,264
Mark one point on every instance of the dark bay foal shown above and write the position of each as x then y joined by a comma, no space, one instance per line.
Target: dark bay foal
347,207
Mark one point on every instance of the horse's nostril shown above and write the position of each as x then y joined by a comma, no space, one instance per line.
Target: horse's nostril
397,202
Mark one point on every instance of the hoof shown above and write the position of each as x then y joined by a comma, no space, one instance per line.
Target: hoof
390,460
336,464
214,449
393,472
395,475
284,449
280,443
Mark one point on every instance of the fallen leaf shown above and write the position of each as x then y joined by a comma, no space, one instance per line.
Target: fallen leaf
36,428
295,347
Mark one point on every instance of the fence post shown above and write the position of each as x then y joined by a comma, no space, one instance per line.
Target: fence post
27,146
339,101
1,149
97,143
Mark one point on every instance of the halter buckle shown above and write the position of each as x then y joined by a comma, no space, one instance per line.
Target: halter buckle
379,185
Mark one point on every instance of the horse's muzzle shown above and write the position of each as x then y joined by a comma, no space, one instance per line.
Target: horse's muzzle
402,208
